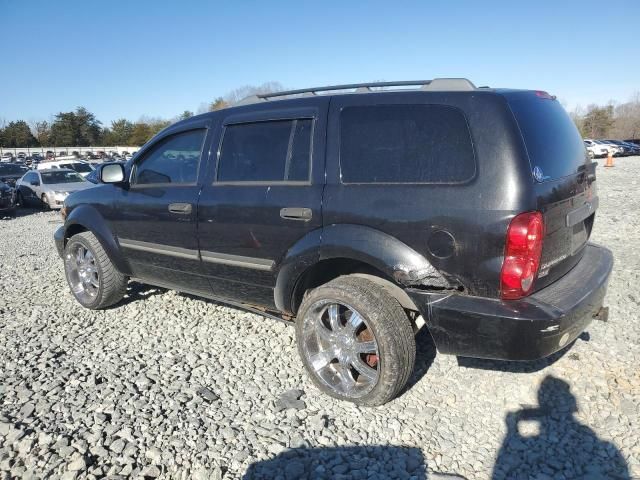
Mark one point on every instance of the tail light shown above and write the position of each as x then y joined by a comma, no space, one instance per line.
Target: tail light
521,255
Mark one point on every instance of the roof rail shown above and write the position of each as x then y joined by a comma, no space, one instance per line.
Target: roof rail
437,84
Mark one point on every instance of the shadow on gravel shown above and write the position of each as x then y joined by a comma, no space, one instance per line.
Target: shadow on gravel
138,291
520,367
547,442
368,462
425,355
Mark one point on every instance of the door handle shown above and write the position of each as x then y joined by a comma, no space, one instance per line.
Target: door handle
182,208
295,213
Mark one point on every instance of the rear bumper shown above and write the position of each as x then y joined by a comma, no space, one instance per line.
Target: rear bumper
526,329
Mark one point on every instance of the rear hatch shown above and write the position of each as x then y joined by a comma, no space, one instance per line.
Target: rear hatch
563,177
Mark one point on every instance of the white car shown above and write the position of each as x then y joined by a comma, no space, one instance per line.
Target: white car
48,188
595,149
611,147
6,157
80,166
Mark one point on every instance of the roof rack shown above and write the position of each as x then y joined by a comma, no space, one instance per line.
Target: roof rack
437,84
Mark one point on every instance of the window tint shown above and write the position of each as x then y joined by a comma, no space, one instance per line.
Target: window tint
61,177
405,144
272,151
30,177
174,160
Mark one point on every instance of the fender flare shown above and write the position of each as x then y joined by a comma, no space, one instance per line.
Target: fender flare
89,218
394,258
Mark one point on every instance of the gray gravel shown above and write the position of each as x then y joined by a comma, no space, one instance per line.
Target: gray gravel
166,385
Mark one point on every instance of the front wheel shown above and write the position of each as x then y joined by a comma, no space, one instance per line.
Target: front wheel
355,341
45,203
92,277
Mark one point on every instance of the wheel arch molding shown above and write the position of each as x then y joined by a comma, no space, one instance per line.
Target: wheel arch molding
87,218
382,253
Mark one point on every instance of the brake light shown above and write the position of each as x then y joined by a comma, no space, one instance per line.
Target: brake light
521,255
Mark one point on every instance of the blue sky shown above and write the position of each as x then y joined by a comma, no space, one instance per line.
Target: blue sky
153,58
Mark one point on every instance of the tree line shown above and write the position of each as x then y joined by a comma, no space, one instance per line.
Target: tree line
81,127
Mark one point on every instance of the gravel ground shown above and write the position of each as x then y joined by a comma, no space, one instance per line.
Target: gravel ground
167,385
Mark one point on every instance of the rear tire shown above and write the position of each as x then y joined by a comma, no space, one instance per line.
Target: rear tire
355,341
92,277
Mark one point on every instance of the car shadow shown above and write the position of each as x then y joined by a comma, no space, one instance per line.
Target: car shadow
547,441
357,462
138,291
425,356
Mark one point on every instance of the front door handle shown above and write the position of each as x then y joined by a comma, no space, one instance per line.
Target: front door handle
181,208
295,213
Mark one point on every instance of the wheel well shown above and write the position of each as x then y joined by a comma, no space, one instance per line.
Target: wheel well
73,230
327,270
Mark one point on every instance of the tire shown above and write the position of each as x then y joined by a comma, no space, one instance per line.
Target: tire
384,321
96,283
20,200
45,203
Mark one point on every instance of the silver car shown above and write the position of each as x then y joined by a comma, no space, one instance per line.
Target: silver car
48,188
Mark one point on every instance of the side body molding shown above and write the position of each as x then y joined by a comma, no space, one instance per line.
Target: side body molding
89,218
356,242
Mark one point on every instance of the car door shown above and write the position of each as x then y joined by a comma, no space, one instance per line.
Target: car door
262,197
155,214
29,187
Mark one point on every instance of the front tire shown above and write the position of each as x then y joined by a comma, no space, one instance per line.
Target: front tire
92,277
45,203
355,341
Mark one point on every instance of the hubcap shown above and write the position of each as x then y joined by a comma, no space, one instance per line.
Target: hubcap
82,272
340,348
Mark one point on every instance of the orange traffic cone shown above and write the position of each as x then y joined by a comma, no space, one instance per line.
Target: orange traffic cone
609,162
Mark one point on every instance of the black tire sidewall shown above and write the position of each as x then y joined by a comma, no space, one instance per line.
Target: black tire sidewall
78,239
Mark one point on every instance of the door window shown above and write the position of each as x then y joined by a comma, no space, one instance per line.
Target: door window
266,152
175,159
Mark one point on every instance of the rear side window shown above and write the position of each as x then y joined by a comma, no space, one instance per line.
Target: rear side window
553,142
273,151
405,144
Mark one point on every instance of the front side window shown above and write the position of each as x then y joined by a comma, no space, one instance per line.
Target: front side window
405,144
273,151
174,159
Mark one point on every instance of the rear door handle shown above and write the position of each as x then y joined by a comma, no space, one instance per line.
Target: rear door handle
295,213
181,208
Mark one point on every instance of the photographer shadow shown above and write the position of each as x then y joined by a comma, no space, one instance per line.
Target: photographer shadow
548,442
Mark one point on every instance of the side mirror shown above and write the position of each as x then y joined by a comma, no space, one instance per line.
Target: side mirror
112,173
35,183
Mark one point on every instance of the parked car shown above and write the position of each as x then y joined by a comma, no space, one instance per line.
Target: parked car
11,172
49,154
80,166
594,149
48,188
7,200
616,150
94,176
6,157
361,217
626,149
635,141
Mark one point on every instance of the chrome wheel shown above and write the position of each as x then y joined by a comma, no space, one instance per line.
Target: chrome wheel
82,272
340,348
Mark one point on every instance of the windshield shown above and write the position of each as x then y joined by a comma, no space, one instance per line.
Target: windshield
78,167
61,177
12,169
552,140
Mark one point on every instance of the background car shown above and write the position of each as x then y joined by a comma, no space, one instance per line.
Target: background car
48,188
6,157
595,149
80,166
11,172
7,200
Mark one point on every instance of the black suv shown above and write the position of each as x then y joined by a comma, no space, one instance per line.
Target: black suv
361,214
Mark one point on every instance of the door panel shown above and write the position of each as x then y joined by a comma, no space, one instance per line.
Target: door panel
244,227
155,217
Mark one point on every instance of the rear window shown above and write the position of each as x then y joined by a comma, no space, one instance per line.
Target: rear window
405,144
553,142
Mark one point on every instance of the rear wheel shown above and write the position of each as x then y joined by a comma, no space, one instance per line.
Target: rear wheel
45,202
93,279
355,341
